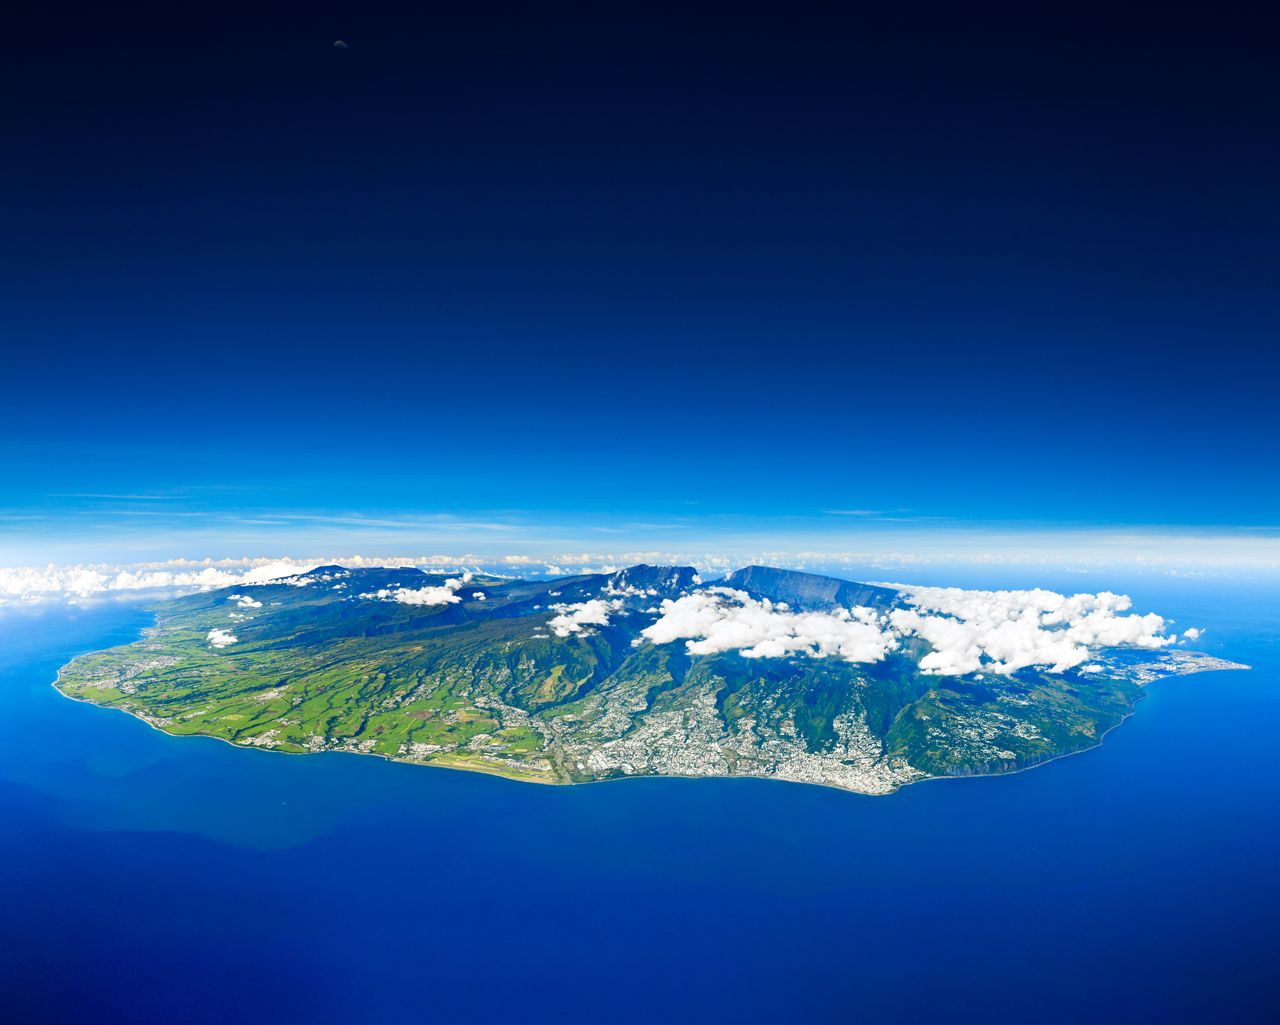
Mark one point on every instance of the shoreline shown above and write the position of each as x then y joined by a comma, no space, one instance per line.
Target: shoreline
516,778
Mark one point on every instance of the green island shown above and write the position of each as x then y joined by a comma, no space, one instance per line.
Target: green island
579,679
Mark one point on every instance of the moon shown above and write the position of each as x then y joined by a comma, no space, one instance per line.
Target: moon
338,44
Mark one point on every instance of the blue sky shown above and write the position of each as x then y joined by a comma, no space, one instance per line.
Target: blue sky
658,283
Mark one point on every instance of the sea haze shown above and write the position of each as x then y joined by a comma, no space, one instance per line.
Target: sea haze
246,884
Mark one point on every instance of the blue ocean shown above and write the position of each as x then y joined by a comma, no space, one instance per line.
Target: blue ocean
146,878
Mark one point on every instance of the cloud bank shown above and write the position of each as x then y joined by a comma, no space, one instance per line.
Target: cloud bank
1004,631
1195,554
721,619
967,631
32,584
444,594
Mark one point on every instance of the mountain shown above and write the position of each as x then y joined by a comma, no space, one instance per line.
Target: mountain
647,670
808,590
665,580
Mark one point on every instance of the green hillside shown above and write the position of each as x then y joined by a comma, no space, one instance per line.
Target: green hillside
335,661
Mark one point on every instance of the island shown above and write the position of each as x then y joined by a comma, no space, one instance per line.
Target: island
649,670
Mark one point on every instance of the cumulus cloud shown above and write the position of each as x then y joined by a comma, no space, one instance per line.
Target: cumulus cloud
34,584
1004,631
967,631
274,571
221,638
721,619
28,584
575,618
444,594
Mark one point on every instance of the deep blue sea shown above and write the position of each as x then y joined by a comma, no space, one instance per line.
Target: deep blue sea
146,878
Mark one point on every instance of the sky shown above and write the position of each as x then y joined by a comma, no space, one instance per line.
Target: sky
540,278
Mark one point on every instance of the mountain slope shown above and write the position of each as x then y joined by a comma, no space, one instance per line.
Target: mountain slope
567,680
808,590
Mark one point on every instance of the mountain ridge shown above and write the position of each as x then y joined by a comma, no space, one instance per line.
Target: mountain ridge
808,590
596,676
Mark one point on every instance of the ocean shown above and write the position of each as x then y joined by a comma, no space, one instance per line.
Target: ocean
146,878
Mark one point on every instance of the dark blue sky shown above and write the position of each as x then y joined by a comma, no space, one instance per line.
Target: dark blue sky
611,267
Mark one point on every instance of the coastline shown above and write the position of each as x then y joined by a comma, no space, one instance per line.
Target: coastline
502,771
514,777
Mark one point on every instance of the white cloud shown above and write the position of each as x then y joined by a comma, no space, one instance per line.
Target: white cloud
968,631
28,584
721,619
33,584
274,571
444,594
221,638
1004,631
573,619
478,595
243,601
